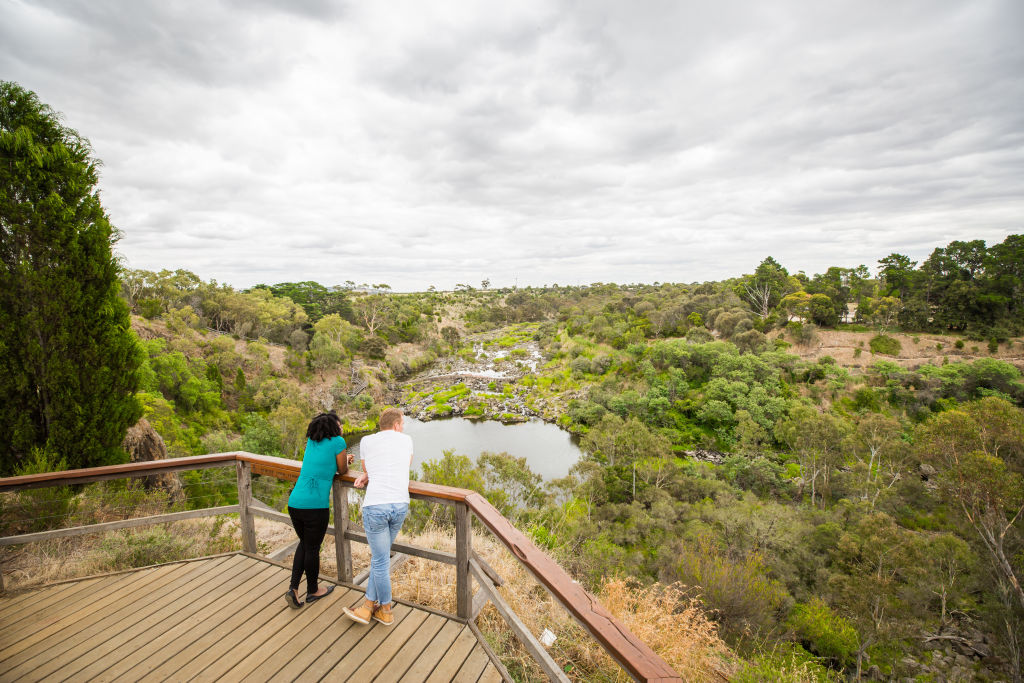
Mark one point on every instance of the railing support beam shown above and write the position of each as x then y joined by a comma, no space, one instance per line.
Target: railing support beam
533,646
342,546
463,549
248,526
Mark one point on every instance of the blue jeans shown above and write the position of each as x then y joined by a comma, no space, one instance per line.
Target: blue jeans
382,523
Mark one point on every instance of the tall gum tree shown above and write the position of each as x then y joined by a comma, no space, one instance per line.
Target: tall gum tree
68,360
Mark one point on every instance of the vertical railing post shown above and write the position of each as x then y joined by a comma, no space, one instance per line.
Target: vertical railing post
463,545
245,519
342,546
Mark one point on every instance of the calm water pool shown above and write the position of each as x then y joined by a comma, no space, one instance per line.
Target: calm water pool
549,450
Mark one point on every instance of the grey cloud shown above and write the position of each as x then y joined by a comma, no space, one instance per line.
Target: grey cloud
546,141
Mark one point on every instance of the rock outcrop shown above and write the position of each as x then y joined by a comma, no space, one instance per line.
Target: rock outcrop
143,444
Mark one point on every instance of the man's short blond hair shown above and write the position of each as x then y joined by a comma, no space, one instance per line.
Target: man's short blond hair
389,418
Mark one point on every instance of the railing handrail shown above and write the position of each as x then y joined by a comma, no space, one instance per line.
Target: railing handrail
635,656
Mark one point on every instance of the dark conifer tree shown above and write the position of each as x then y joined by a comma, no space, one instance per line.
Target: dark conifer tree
69,362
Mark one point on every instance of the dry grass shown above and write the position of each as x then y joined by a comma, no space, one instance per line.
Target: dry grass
665,618
842,345
43,562
673,624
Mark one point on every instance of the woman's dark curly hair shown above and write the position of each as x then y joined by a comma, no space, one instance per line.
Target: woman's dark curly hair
324,426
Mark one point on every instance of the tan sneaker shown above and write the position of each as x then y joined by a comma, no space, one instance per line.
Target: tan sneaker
382,613
362,613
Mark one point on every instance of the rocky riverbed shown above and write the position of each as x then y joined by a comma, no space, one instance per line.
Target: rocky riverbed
488,381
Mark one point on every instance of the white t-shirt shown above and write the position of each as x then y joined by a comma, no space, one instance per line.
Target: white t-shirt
386,458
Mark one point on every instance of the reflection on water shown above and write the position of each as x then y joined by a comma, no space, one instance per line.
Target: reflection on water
549,451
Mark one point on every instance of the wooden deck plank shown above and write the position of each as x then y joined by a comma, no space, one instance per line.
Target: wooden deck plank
330,644
351,639
16,600
75,644
220,639
13,621
99,637
191,620
236,644
308,622
278,618
255,592
28,620
44,640
434,652
124,648
225,618
77,607
231,644
374,634
453,659
395,639
394,670
491,674
473,666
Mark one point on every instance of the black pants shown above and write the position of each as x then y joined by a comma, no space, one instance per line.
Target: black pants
311,526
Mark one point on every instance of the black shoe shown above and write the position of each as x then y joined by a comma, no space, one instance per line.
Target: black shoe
314,598
292,601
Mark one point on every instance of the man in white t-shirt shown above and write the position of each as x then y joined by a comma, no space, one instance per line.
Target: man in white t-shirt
386,457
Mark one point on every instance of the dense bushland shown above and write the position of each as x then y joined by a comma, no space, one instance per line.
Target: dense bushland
828,517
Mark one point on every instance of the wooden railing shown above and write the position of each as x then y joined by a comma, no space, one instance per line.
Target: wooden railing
635,657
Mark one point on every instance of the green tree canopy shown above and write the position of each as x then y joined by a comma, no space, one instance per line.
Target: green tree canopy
68,359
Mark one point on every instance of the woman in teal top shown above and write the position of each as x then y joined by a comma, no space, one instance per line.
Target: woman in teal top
309,503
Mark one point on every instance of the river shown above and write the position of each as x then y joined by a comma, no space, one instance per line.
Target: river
549,450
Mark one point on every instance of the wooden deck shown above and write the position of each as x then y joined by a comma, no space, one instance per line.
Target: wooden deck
223,618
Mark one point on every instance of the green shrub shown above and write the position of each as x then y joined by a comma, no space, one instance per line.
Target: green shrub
785,662
150,308
886,345
824,632
993,345
37,509
865,398
803,334
959,343
739,591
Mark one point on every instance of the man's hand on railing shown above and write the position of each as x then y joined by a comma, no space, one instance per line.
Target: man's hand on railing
361,480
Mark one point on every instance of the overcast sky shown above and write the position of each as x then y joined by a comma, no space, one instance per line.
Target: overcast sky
434,143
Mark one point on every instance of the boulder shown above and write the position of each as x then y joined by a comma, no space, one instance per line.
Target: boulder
706,456
143,444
